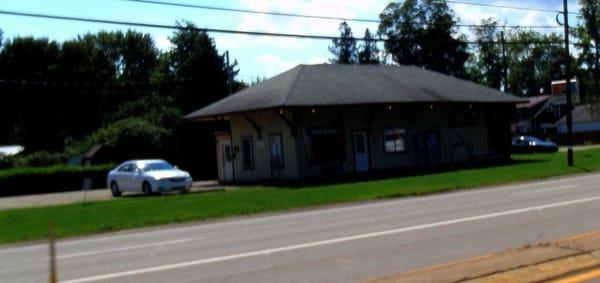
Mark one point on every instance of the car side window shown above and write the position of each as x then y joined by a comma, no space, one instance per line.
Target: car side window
126,168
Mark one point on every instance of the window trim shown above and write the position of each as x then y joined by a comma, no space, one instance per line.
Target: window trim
249,138
405,150
282,166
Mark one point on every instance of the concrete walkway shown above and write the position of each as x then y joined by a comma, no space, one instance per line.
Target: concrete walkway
580,147
78,196
574,259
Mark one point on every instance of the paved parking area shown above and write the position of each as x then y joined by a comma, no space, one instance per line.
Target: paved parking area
78,196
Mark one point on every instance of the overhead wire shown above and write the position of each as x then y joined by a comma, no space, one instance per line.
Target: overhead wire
225,31
308,16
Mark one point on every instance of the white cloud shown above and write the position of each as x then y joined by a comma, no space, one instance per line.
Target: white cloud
163,42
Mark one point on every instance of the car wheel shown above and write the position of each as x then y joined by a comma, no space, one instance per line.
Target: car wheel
146,188
114,189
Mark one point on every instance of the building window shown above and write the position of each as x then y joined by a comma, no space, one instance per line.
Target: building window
247,153
394,140
327,145
276,148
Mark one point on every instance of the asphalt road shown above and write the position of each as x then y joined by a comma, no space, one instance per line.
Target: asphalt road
351,243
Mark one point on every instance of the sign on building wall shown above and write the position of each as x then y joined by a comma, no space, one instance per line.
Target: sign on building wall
559,92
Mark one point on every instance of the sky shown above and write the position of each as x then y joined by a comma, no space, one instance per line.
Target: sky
257,56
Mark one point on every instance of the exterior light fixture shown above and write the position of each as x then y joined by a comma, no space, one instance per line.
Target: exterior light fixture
389,107
431,106
281,111
470,106
313,110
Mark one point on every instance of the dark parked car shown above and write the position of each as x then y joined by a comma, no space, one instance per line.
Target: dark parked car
530,144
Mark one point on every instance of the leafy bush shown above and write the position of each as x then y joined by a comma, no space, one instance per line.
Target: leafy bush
130,138
41,158
57,178
35,159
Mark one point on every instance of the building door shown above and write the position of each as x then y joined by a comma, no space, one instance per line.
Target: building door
227,160
361,152
428,149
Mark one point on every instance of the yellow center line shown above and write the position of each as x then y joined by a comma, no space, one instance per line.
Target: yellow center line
582,277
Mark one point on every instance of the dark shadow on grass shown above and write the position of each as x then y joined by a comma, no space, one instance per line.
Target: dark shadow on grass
215,189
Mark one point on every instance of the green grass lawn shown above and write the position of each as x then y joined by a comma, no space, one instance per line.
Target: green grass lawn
104,216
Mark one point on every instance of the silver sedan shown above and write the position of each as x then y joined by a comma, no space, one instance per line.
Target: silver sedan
147,176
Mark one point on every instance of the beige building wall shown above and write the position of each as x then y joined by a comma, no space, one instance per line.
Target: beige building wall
458,139
270,123
418,118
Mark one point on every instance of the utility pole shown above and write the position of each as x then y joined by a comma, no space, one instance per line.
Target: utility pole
504,64
568,83
229,78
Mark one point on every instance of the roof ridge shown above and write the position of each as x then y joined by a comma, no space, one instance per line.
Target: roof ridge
287,95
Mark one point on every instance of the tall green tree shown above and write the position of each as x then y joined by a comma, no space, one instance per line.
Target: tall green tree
28,58
368,52
198,67
344,47
424,33
134,54
533,66
487,62
588,33
401,24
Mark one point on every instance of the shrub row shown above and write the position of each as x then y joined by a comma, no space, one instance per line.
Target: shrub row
57,178
35,159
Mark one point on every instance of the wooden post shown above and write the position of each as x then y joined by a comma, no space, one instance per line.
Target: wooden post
52,240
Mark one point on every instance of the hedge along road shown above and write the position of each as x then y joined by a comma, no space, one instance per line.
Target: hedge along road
105,216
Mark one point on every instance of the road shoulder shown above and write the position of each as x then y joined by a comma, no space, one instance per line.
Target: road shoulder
562,261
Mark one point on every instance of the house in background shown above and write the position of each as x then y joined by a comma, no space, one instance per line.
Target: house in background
533,115
586,124
319,120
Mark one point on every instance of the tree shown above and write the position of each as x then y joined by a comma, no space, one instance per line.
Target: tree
422,33
199,69
368,52
533,66
589,43
344,48
32,119
28,58
402,25
487,64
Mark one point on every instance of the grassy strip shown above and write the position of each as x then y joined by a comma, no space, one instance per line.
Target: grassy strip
103,216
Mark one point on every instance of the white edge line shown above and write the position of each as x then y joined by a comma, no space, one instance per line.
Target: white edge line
122,249
324,242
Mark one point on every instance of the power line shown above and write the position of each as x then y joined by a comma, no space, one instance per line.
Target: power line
508,7
225,31
248,11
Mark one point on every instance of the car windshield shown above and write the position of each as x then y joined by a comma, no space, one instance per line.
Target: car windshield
157,166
